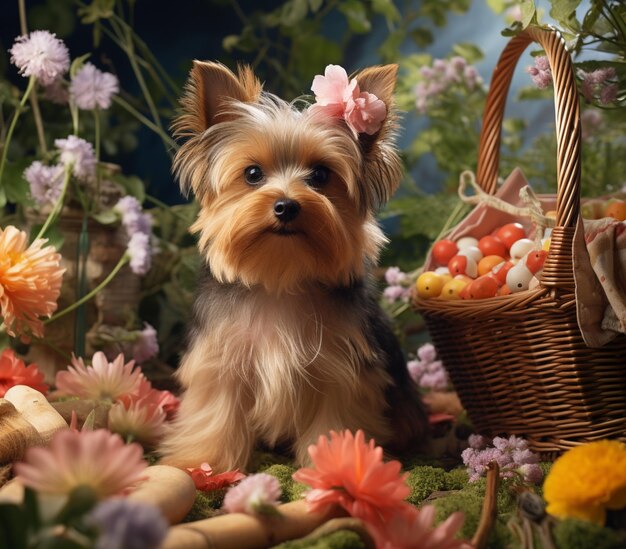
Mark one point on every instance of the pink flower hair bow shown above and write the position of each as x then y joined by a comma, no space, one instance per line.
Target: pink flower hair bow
338,97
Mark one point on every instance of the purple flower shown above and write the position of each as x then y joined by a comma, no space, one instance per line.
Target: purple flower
140,253
599,85
147,344
532,473
46,182
80,154
124,524
92,88
478,442
42,55
394,276
541,73
437,380
256,494
395,293
427,352
133,217
416,369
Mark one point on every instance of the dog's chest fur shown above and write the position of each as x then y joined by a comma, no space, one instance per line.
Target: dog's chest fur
292,356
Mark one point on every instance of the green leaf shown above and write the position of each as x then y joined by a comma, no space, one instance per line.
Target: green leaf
388,9
422,36
15,186
98,9
132,184
562,10
498,6
293,12
78,63
356,15
31,508
230,42
55,237
13,527
529,12
81,500
470,52
90,421
106,217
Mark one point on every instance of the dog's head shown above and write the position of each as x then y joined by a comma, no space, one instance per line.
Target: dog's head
287,195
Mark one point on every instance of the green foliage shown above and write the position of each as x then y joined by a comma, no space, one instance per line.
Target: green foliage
577,534
423,481
291,490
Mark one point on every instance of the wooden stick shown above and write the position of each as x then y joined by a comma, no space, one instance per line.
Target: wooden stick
239,531
489,511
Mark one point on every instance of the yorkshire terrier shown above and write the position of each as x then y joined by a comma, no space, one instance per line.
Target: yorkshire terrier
287,341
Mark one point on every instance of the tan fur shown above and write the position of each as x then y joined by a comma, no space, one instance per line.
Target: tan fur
274,355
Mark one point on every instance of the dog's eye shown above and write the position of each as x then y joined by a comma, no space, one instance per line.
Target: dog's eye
319,176
253,174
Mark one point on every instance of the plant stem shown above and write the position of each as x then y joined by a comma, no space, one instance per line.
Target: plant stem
97,129
123,260
59,205
147,122
80,320
18,110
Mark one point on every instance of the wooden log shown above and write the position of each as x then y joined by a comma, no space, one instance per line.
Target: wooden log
240,531
83,408
16,434
12,492
36,409
169,488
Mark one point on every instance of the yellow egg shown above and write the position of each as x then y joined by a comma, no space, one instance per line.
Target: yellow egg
545,244
429,284
452,289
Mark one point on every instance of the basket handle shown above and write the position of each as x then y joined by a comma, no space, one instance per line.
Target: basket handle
558,267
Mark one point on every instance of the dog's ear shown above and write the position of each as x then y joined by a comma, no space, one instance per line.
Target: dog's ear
209,89
383,168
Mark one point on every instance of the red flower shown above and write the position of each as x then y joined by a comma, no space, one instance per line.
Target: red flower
13,372
205,480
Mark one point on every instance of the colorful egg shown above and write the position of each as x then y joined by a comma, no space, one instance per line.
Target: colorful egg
429,284
500,271
535,260
473,252
452,289
443,251
462,264
521,247
487,263
483,288
518,278
466,241
510,233
492,245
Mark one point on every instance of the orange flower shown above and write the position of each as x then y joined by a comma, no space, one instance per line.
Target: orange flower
30,282
13,372
351,473
140,419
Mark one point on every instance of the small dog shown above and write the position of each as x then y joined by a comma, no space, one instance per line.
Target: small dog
287,341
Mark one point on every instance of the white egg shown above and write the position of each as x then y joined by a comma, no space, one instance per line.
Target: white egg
442,271
518,278
466,241
473,252
521,247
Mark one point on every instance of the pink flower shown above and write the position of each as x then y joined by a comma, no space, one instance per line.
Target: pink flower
14,372
205,480
101,380
258,493
413,529
147,345
394,276
140,253
46,182
350,472
42,55
165,400
80,154
92,88
338,97
427,353
98,459
541,73
140,419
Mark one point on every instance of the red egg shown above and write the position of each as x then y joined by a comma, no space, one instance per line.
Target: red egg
461,264
492,245
535,260
444,251
483,287
510,233
499,271
504,290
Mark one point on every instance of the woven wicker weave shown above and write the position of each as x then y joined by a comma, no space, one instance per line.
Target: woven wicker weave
519,362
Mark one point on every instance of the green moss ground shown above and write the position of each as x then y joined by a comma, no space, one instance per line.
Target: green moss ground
448,491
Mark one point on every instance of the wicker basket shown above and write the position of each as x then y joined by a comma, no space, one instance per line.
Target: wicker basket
519,362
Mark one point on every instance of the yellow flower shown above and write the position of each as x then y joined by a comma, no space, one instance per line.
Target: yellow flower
587,480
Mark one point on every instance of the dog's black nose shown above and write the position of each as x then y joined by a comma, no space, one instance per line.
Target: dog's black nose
286,210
